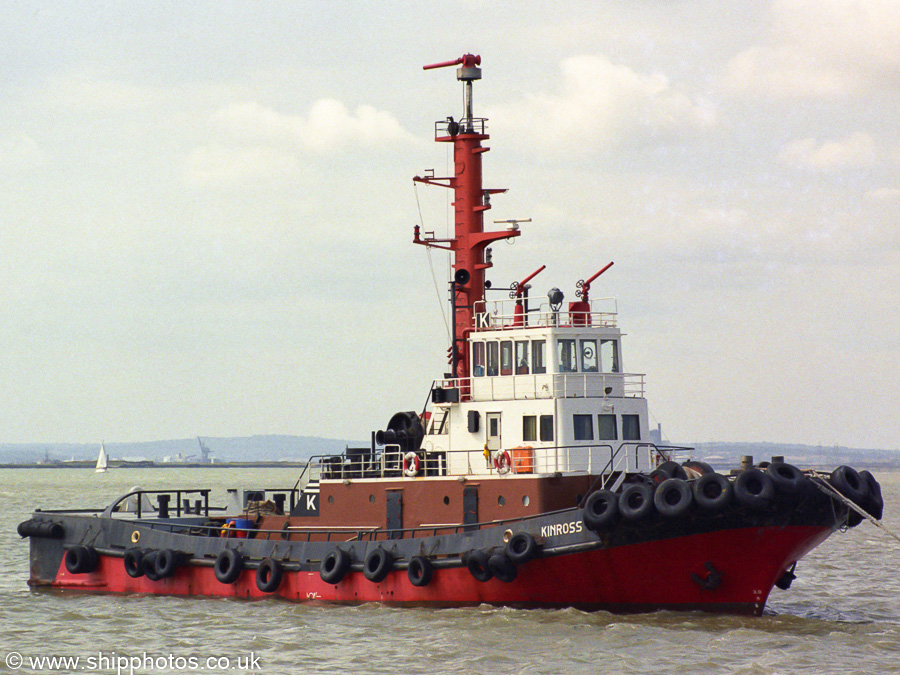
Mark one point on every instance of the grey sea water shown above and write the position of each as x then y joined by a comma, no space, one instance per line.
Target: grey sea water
842,614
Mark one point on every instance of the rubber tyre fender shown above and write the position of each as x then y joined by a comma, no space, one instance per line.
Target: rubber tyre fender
166,563
874,502
229,564
673,498
753,489
132,562
81,560
269,575
600,509
636,501
674,469
334,566
788,479
148,565
477,564
377,565
850,484
713,492
420,571
521,548
502,567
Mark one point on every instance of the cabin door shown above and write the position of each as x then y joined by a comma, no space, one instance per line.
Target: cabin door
492,422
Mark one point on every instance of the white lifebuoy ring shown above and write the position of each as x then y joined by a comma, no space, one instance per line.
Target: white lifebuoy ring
502,461
410,464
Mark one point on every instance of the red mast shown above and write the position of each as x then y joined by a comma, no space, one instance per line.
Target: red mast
470,201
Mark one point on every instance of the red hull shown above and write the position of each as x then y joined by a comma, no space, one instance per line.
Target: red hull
637,577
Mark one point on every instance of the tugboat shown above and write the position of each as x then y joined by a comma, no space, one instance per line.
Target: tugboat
529,479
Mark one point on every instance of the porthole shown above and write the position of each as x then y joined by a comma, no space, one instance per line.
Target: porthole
446,501
526,500
331,499
371,499
501,500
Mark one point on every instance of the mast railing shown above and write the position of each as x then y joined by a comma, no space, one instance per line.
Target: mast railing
549,385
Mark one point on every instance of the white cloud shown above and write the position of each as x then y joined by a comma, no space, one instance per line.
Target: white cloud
19,150
856,150
602,104
821,48
328,126
218,164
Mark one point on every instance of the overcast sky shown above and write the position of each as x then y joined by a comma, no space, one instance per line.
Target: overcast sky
206,208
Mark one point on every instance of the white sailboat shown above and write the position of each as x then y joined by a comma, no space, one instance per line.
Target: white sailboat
102,460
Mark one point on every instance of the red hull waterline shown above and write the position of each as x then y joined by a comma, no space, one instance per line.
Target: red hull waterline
635,578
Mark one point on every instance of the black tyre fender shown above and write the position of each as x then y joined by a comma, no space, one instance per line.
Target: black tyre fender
674,469
81,560
673,498
166,563
502,567
713,492
420,571
269,575
874,502
334,566
229,564
600,509
377,565
477,564
132,562
148,565
754,489
850,484
636,501
521,548
788,479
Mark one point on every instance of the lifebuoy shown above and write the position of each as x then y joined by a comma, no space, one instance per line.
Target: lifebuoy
269,575
672,498
753,489
600,509
81,560
411,464
166,563
636,501
420,571
229,564
377,564
713,492
334,566
521,548
132,561
502,461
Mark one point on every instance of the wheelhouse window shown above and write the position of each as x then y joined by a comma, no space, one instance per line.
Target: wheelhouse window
522,357
583,427
478,359
493,360
589,356
631,428
538,357
546,427
567,357
609,356
506,357
529,428
606,428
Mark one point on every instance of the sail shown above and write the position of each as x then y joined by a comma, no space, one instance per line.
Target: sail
102,460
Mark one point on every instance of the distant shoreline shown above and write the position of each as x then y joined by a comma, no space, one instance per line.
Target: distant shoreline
158,465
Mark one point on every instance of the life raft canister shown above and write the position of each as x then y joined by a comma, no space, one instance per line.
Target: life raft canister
502,461
411,464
